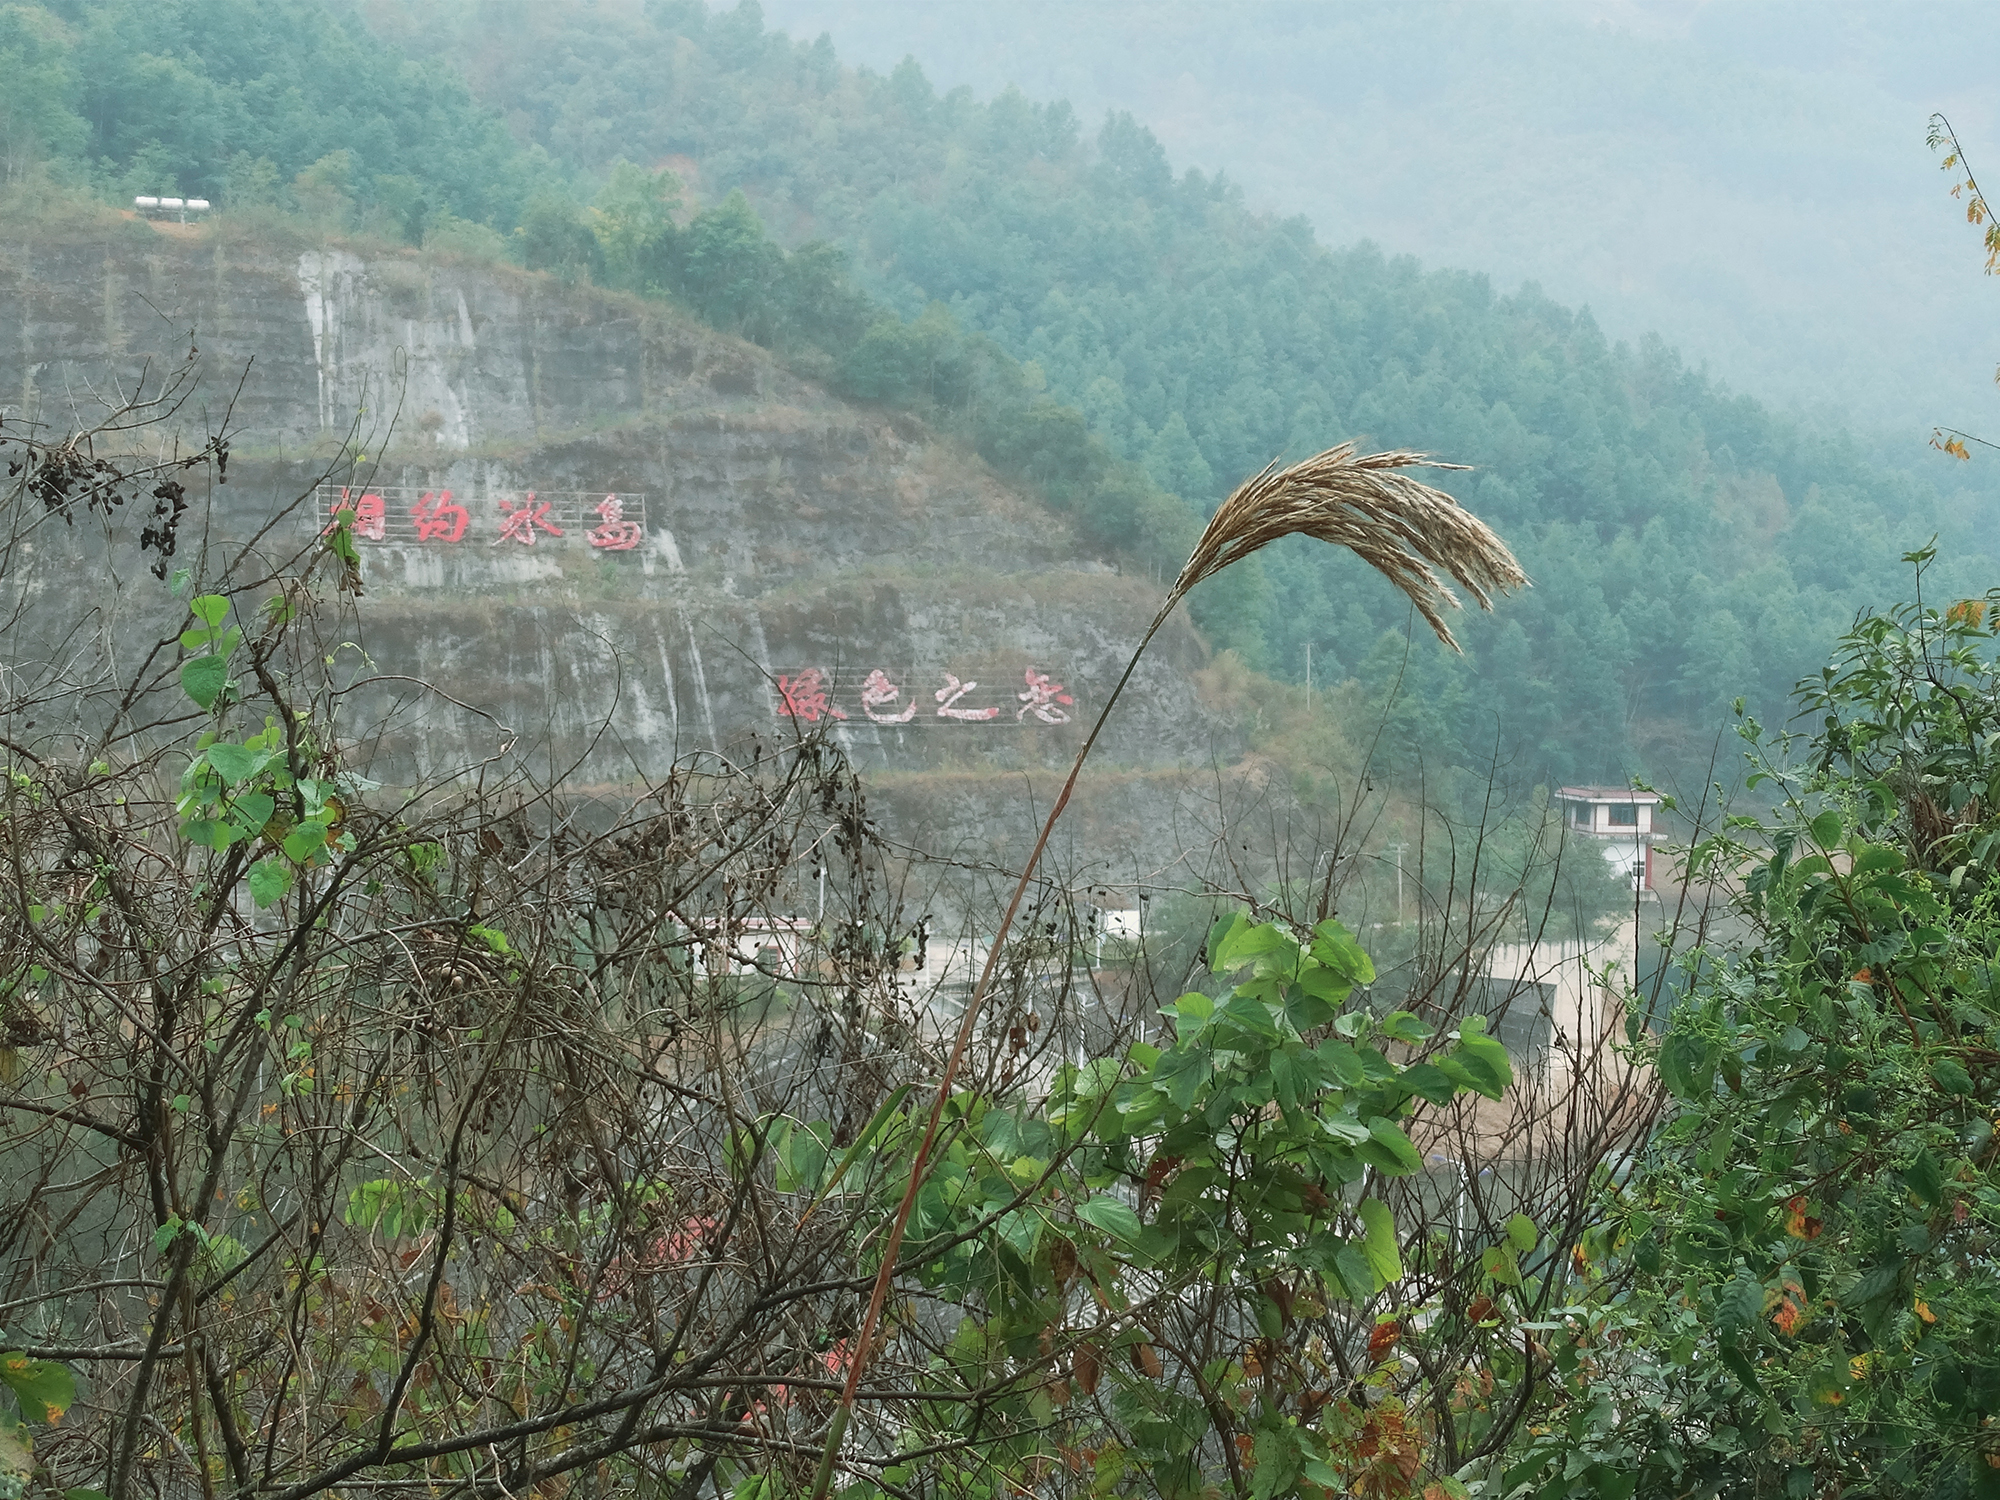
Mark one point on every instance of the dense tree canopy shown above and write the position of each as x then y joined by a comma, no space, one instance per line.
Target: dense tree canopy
232,101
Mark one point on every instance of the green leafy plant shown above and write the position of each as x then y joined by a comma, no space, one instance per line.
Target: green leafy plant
205,676
1251,1140
38,1392
1805,1293
247,793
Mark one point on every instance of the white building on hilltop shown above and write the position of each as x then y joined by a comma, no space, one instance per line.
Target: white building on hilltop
1620,820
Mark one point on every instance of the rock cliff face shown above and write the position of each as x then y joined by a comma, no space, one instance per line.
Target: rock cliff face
613,535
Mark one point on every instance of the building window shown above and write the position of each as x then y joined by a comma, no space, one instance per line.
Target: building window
1624,815
1579,815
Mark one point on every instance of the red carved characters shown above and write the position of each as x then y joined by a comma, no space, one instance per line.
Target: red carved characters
879,692
438,519
436,516
809,695
805,697
519,518
370,518
1041,698
951,692
616,534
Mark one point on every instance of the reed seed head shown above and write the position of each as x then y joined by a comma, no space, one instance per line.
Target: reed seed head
1404,529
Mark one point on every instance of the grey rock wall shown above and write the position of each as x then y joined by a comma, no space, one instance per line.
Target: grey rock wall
785,533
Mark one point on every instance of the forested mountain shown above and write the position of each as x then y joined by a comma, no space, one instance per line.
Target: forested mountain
232,99
1750,176
1687,545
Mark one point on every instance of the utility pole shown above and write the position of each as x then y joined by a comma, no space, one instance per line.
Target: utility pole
1397,850
1309,679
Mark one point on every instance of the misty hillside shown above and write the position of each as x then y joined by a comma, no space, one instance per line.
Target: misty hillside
1687,544
1127,338
1750,178
778,559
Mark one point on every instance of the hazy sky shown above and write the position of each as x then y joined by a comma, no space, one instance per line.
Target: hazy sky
1749,179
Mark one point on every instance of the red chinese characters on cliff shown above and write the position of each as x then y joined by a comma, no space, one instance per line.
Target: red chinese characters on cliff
1041,699
948,697
369,514
805,697
519,518
877,693
613,533
809,695
435,517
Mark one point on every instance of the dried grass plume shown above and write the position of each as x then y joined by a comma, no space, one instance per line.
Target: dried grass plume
1402,528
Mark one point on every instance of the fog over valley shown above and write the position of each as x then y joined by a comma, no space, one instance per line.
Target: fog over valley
1748,180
